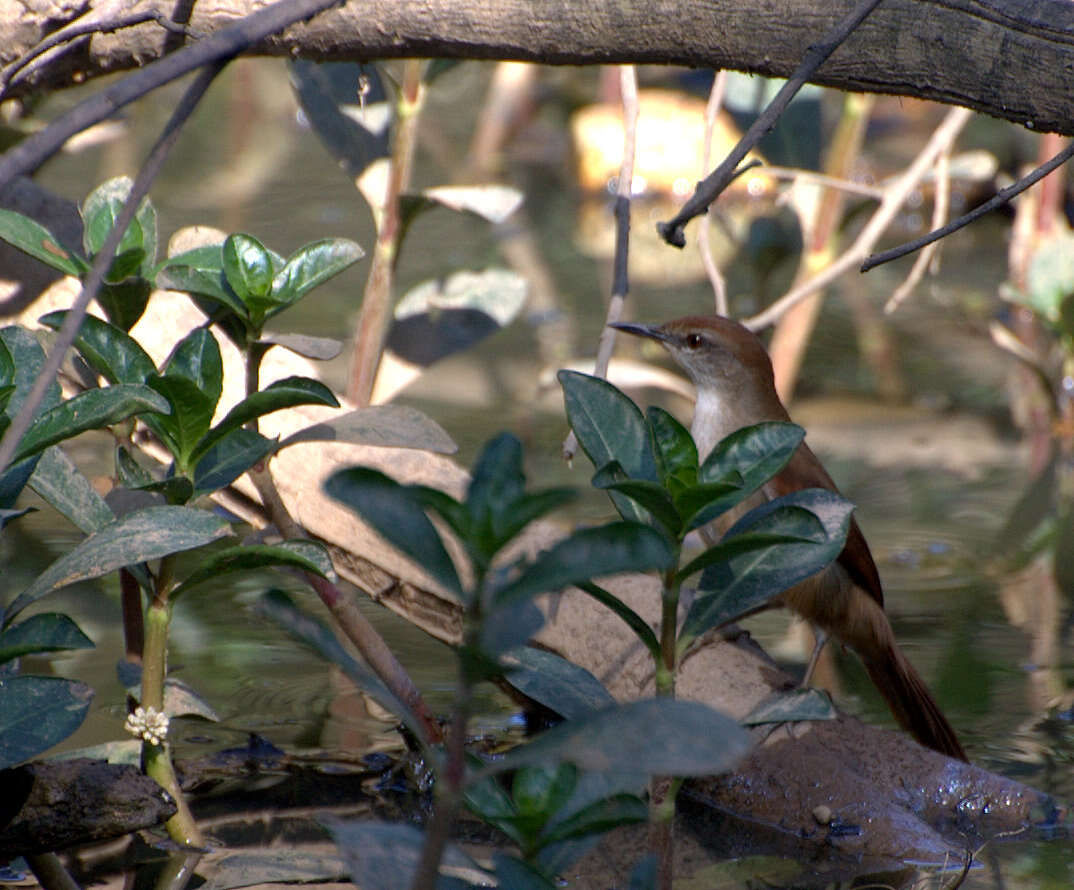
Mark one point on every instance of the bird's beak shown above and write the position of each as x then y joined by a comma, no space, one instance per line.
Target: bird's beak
641,330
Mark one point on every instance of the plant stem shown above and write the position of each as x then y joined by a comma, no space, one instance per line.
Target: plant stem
50,873
156,759
667,667
450,783
375,315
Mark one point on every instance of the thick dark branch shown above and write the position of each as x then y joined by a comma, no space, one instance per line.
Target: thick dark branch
1009,58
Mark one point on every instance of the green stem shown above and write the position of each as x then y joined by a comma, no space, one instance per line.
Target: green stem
156,759
669,618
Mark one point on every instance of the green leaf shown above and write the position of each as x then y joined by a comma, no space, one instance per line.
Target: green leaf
589,553
634,621
29,359
303,555
609,428
755,452
31,238
62,484
191,414
650,496
124,302
278,606
673,449
789,707
653,736
503,628
230,457
569,690
389,426
197,359
728,589
100,211
146,534
248,269
397,514
37,713
111,352
748,457
203,282
90,410
286,393
44,632
519,875
312,265
599,817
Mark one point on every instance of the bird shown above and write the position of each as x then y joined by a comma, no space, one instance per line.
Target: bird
733,377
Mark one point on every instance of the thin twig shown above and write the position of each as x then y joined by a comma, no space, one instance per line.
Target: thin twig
91,23
222,45
103,261
998,200
628,89
939,213
876,192
712,110
894,196
710,189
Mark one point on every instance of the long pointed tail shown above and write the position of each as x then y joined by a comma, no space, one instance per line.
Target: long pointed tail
912,703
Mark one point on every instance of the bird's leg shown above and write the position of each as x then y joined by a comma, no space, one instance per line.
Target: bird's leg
818,647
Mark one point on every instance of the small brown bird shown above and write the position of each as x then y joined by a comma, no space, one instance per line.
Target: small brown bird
735,388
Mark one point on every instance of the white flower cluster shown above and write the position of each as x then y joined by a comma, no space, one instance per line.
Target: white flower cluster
148,724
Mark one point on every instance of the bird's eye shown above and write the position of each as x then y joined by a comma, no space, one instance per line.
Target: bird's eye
694,341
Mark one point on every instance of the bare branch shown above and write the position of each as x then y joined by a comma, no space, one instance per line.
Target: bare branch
1001,197
710,189
895,194
712,110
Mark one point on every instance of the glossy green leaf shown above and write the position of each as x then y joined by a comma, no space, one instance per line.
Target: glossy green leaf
673,449
65,487
111,352
124,302
701,503
31,238
286,393
599,817
303,555
229,457
312,265
37,713
746,581
755,452
191,414
518,875
29,359
44,632
504,628
653,736
445,506
609,427
143,535
650,496
197,358
248,269
561,686
387,426
7,368
90,410
204,282
398,516
748,458
496,481
99,213
589,553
